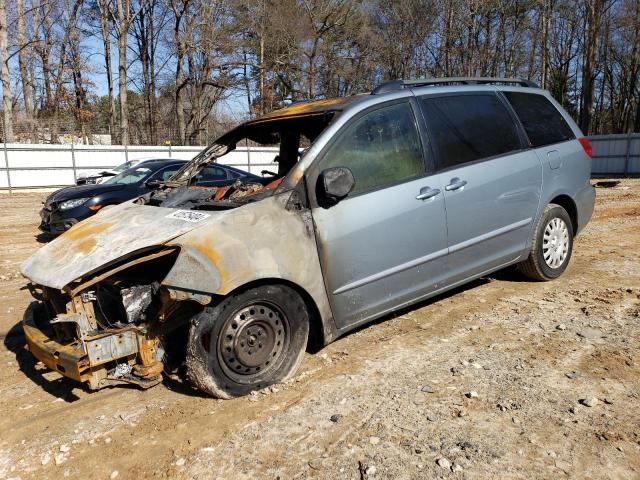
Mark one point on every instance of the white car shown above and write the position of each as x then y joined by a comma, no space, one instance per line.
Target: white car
99,176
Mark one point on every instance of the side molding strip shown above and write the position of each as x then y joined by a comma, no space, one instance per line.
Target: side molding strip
391,271
431,256
488,235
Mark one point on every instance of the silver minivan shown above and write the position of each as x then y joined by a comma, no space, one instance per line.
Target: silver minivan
379,201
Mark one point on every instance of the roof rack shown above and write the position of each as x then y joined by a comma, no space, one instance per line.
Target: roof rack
394,85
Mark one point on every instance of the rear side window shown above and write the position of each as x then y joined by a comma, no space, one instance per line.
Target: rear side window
381,148
166,174
212,174
465,128
541,120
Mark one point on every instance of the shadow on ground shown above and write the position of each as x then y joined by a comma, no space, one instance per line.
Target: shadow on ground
44,237
62,387
509,274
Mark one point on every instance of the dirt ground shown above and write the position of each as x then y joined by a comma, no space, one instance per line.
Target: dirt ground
388,401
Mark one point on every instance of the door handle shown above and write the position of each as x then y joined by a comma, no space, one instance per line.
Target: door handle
456,184
427,193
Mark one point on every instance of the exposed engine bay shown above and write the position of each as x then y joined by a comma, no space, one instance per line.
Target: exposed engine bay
210,198
116,327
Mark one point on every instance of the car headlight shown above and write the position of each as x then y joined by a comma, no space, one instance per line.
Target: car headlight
69,204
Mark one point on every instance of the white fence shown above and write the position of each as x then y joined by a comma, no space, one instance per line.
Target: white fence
42,166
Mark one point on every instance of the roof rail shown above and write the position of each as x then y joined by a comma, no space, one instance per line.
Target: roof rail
394,85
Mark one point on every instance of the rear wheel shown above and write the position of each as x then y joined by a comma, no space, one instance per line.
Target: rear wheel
551,246
248,341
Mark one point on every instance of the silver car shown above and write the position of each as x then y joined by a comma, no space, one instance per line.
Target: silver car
379,201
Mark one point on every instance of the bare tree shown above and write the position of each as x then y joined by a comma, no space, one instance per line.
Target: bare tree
103,7
180,35
7,106
23,50
593,21
179,60
123,14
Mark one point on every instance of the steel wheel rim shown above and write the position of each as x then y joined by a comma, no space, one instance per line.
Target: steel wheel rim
253,341
555,243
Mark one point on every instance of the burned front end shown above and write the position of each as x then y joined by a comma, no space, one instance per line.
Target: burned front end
113,327
118,293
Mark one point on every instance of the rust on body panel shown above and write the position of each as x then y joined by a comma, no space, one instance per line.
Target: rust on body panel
263,240
304,108
98,241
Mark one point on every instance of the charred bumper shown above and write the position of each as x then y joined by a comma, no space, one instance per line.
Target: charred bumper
100,360
70,360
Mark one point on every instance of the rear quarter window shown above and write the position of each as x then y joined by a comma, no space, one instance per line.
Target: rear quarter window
464,128
541,120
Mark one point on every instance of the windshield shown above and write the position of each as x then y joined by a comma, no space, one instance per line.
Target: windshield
133,175
125,166
289,135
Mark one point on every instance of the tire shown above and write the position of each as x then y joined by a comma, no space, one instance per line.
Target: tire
555,223
249,341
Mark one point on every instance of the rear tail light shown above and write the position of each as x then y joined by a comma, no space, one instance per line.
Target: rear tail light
587,146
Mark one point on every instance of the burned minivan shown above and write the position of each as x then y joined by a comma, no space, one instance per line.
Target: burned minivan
378,201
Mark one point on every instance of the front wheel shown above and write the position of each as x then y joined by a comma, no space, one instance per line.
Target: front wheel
551,245
248,341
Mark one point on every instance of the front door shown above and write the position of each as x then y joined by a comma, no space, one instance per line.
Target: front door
383,245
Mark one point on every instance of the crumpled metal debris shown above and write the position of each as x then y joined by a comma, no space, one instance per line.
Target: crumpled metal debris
136,299
121,370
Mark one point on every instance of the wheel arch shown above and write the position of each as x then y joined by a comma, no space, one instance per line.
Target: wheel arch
321,330
566,202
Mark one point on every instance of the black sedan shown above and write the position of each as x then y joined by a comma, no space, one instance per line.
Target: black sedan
66,207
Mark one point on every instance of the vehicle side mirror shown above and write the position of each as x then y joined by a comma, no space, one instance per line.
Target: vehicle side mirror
334,184
153,183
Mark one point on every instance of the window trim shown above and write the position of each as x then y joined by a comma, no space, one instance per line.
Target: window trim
524,130
522,138
313,172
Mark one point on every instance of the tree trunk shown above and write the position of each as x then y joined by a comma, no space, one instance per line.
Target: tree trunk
22,61
106,44
261,72
152,80
122,88
69,32
179,79
546,20
123,29
593,10
4,74
80,93
447,39
46,50
245,77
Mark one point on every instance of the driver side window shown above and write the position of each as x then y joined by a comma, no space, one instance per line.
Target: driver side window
381,148
165,174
